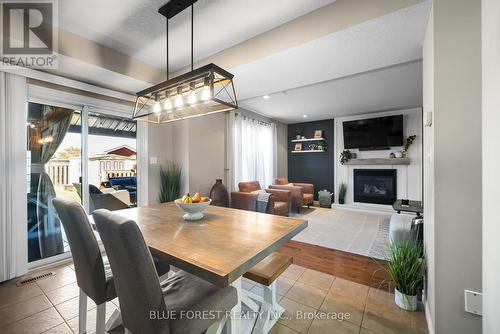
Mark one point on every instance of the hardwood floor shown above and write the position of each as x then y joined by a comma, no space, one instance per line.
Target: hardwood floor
352,267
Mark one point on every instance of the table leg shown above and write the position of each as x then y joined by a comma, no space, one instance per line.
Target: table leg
234,326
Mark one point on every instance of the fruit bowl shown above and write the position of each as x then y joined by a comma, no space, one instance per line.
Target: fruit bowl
192,211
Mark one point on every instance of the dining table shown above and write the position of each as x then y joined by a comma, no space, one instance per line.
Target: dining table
220,247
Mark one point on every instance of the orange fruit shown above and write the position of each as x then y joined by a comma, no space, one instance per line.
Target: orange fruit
196,198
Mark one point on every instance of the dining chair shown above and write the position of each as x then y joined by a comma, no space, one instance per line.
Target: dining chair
148,307
93,272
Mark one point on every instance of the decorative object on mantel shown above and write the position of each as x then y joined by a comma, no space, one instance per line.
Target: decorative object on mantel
345,156
392,155
206,90
298,147
406,268
298,133
342,193
379,161
409,141
219,194
318,134
399,154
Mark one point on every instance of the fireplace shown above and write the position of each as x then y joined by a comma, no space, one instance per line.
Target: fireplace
376,186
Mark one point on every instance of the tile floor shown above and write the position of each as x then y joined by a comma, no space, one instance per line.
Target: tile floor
51,306
343,229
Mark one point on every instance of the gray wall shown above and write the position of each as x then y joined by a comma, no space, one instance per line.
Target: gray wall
491,163
453,153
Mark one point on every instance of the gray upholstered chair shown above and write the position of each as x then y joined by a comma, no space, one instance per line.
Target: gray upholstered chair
93,273
139,291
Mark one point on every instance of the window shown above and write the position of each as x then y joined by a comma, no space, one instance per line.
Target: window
254,145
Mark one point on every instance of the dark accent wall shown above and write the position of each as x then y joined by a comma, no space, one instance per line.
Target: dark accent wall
315,168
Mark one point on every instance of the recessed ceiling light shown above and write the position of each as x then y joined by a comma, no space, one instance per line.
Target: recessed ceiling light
266,97
304,116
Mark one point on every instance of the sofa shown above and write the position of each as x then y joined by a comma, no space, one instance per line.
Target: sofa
246,199
302,193
127,183
107,198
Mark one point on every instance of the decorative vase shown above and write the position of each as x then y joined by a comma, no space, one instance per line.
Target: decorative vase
408,303
219,194
297,137
399,154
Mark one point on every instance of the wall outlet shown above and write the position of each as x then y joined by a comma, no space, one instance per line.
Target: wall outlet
153,160
473,302
427,118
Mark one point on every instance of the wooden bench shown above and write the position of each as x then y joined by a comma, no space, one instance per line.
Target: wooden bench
265,273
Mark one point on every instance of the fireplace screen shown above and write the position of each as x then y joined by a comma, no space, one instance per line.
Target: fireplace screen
376,186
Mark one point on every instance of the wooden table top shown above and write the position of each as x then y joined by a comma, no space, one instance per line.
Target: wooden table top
222,246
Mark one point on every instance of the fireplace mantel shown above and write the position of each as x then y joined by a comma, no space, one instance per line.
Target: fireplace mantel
379,161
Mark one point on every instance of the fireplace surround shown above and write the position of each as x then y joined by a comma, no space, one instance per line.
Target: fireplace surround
376,186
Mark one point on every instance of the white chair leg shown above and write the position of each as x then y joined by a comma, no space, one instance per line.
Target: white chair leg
114,320
82,313
101,319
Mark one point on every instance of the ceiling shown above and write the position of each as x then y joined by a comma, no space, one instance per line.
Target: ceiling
371,66
135,28
395,87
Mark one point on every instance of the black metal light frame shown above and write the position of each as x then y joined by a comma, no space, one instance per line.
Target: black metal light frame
212,77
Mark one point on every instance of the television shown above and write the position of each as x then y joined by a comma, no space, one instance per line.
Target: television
374,133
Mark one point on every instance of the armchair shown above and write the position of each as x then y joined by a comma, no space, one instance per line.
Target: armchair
246,198
302,193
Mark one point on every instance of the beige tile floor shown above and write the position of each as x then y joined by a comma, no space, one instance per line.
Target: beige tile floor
51,306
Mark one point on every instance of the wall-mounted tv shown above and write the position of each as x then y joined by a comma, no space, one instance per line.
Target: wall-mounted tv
374,133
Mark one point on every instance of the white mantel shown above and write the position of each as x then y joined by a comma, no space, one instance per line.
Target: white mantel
409,176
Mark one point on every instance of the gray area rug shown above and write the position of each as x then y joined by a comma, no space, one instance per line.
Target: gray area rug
380,246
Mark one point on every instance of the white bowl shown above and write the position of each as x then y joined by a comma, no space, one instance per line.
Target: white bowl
192,211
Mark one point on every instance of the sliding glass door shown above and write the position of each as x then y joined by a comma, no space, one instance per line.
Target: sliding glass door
68,150
54,165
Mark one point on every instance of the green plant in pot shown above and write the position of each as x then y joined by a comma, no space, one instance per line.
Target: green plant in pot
322,145
345,156
406,268
170,178
298,133
342,192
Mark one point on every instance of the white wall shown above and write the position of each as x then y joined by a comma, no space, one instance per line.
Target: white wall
491,161
409,179
454,252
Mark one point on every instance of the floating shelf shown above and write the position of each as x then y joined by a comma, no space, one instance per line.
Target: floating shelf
379,161
306,139
309,151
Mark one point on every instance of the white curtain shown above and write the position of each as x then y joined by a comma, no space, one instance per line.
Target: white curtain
254,151
13,176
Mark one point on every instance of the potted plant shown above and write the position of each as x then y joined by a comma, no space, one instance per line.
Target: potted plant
170,188
406,268
409,141
322,145
342,192
298,133
345,156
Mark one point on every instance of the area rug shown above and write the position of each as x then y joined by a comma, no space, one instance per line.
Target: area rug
360,232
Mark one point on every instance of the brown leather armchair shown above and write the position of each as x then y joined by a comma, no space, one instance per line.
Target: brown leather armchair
245,199
302,193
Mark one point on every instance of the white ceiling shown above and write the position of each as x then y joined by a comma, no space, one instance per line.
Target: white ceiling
135,28
395,87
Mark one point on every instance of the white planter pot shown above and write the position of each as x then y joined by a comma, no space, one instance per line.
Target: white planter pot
406,302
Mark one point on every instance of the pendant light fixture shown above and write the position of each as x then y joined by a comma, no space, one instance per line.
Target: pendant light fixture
206,90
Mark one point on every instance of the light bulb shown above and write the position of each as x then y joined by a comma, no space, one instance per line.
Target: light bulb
205,93
192,99
167,104
156,107
179,102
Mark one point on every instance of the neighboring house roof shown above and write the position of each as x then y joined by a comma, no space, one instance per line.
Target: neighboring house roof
124,151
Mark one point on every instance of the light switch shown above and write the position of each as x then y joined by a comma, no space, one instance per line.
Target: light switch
473,302
153,160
